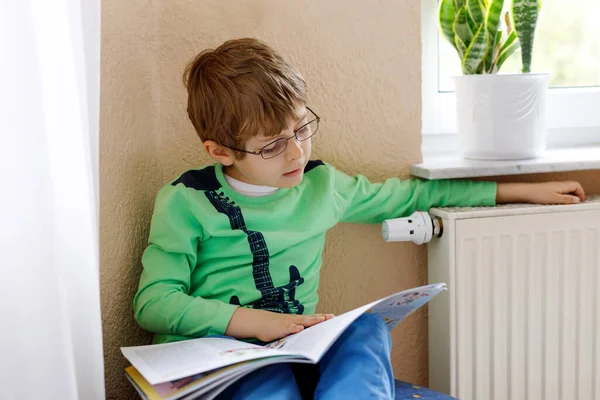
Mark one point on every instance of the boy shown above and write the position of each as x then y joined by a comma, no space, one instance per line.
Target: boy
235,248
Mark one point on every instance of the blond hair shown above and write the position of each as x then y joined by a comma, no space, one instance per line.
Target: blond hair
241,89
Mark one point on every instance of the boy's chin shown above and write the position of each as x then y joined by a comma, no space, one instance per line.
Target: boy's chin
288,183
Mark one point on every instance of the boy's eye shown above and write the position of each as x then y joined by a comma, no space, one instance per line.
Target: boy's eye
274,148
304,131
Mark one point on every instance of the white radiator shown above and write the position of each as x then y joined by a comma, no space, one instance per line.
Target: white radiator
521,318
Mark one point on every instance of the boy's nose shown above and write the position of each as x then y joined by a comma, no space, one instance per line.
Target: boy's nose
294,150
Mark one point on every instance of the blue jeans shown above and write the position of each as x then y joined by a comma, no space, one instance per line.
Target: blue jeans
357,366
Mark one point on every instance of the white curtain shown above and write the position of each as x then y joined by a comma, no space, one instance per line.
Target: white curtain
50,325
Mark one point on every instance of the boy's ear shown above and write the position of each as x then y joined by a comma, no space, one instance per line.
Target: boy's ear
218,152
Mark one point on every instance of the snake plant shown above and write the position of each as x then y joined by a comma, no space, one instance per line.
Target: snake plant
473,28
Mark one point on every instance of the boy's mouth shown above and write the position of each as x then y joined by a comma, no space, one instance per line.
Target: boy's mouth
293,173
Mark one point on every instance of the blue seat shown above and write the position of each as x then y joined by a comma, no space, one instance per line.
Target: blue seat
406,390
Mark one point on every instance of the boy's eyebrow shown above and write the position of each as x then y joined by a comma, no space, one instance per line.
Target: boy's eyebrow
270,139
304,115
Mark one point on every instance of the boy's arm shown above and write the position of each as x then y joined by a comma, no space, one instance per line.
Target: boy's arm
363,202
162,303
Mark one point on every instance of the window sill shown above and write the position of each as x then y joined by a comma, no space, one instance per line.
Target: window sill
446,166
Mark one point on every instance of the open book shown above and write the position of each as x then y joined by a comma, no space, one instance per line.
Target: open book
203,368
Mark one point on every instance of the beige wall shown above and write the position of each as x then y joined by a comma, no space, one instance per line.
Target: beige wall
361,60
130,171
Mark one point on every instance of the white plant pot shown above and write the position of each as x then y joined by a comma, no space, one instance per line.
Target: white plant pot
501,116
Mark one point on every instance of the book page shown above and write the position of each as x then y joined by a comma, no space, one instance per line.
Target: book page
170,361
137,388
212,391
395,308
313,342
180,387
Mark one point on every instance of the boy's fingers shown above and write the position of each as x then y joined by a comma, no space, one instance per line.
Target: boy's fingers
326,316
567,199
294,328
311,320
578,191
574,188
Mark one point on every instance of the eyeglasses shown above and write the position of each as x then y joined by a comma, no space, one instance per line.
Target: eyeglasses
278,146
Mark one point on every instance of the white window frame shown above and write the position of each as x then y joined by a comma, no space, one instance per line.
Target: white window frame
573,113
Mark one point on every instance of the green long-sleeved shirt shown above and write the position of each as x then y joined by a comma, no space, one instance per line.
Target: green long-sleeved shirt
212,249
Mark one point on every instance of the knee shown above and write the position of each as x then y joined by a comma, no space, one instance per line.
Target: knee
371,325
371,321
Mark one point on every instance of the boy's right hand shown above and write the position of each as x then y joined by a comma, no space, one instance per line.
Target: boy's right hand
268,326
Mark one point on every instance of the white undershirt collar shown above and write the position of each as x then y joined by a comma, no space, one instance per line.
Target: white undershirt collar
248,189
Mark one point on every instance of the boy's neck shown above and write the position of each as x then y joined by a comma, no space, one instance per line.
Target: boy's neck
232,172
248,189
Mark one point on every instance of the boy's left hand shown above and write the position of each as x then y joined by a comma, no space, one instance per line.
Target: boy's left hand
567,192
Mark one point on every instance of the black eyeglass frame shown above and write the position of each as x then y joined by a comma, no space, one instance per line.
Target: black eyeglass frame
260,152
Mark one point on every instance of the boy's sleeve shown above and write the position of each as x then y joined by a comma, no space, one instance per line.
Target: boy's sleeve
363,202
162,303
